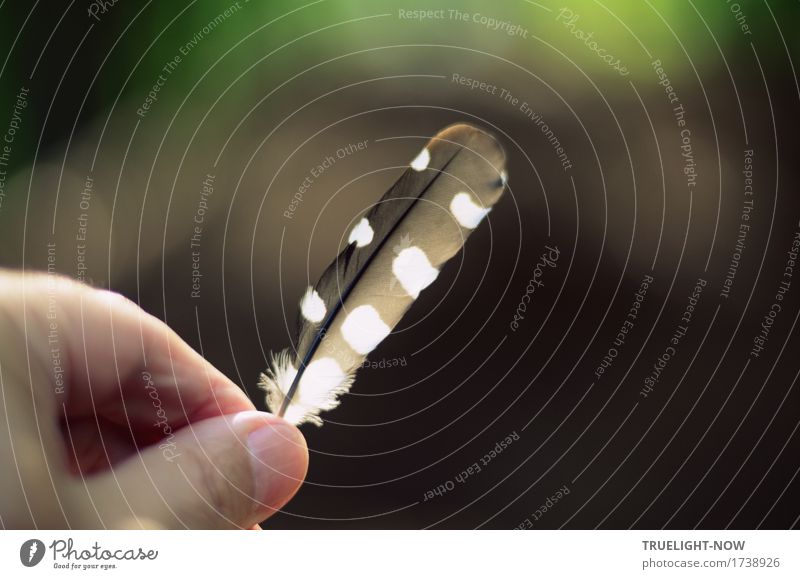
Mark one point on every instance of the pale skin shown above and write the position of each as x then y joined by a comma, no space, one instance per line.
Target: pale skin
108,419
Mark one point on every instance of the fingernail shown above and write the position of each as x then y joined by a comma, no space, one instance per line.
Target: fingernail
279,460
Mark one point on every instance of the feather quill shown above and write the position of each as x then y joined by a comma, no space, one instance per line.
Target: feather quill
394,252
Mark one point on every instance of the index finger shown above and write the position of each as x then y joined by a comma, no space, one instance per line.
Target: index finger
116,359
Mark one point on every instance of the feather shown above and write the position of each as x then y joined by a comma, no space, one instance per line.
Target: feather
393,253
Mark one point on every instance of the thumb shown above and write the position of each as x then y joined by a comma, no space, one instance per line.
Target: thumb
223,472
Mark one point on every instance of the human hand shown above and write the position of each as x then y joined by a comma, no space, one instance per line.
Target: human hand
109,420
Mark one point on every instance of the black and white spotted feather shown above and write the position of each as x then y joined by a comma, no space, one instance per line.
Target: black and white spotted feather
394,252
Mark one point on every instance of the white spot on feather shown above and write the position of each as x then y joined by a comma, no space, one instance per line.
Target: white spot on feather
413,270
362,233
363,329
468,213
420,162
320,382
312,307
319,388
503,177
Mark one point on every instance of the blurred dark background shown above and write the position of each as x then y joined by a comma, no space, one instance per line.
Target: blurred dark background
264,91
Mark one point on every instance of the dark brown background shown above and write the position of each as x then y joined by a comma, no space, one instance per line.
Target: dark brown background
712,446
